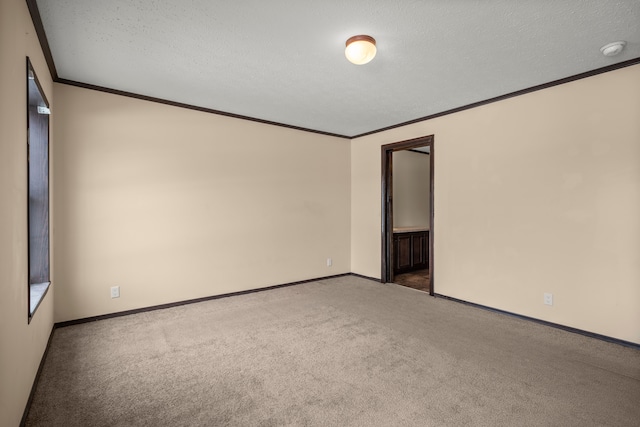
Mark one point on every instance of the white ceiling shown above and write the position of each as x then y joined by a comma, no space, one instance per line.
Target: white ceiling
283,60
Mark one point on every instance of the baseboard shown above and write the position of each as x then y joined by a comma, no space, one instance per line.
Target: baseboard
27,407
365,277
190,301
250,291
544,322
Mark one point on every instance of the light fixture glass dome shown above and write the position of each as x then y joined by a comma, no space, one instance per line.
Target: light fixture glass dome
360,49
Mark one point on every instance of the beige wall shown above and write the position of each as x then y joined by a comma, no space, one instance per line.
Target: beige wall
173,204
538,193
21,344
410,189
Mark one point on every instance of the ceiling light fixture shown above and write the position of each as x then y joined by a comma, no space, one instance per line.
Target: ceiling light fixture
612,49
360,49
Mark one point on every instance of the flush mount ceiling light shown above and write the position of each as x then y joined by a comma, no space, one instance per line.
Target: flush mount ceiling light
612,49
360,49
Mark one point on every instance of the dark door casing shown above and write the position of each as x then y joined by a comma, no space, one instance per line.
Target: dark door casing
388,247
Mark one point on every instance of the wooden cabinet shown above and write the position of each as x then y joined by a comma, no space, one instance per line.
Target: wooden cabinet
411,251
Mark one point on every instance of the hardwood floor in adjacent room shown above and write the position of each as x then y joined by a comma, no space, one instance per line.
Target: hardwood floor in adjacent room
418,279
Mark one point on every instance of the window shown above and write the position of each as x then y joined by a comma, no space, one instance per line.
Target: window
38,204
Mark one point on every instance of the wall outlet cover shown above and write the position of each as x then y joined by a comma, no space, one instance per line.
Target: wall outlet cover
115,292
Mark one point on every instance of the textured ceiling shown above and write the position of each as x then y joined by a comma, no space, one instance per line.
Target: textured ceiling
283,60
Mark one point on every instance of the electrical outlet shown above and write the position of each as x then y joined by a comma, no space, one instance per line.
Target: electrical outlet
115,292
329,262
548,299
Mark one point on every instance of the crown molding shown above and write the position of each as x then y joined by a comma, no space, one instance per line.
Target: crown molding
37,22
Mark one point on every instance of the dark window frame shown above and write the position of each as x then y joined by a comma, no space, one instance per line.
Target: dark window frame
39,288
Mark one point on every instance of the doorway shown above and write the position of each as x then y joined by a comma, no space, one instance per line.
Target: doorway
414,247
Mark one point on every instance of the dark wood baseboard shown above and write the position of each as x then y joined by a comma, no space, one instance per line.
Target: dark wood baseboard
27,407
151,308
544,322
185,302
250,291
196,300
365,277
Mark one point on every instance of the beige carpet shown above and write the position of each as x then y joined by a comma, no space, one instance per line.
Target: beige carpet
340,352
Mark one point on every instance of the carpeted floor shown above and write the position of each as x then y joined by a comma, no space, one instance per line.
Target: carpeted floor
340,352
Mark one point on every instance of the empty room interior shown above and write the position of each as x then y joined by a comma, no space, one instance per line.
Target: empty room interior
229,222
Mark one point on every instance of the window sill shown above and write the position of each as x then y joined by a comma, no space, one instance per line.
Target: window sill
37,291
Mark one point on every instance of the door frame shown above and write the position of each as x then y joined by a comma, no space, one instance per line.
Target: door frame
387,203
